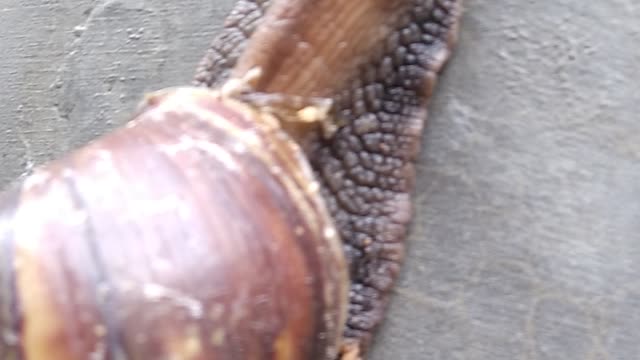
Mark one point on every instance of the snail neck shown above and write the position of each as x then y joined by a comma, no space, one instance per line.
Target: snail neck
303,118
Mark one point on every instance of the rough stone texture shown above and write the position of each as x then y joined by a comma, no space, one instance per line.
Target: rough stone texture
73,69
525,244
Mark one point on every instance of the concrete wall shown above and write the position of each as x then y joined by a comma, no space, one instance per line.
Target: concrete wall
526,240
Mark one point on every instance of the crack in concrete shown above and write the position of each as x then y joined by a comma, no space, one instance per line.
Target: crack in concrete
59,83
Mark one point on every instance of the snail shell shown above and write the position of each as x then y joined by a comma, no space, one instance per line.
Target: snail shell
195,232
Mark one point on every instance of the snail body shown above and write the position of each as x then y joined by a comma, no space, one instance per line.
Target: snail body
259,215
237,257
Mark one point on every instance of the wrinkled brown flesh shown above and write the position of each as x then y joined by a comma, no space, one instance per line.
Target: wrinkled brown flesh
378,60
137,246
230,42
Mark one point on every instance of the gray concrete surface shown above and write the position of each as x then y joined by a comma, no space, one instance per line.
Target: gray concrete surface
526,241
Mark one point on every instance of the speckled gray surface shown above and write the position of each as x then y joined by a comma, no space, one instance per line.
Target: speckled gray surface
74,69
525,244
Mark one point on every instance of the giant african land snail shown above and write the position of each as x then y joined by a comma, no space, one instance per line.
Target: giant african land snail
215,224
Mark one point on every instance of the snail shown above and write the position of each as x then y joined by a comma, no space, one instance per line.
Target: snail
259,213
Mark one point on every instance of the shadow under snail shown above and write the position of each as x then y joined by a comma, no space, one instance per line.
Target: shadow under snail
258,214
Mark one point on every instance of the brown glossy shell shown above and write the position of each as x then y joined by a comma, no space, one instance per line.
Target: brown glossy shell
195,232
